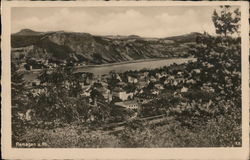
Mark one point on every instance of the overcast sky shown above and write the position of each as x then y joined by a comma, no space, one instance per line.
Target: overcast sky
142,21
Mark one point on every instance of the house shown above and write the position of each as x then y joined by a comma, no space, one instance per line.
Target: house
143,75
132,104
38,91
21,116
184,89
66,84
190,81
105,93
208,88
146,73
164,74
154,91
88,81
34,82
138,91
197,70
104,84
179,73
29,114
141,84
159,86
120,93
178,81
152,79
121,84
86,90
81,84
85,94
159,75
145,98
86,87
132,79
118,77
169,80
87,78
175,83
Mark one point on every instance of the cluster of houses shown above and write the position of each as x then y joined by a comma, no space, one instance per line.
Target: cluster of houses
146,86
38,64
131,90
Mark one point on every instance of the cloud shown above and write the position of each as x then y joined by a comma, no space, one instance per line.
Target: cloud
126,22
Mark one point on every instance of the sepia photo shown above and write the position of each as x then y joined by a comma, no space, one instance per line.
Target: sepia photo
127,76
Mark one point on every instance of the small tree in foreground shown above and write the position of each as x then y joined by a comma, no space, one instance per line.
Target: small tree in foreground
226,22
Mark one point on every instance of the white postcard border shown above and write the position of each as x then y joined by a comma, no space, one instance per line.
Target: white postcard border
118,153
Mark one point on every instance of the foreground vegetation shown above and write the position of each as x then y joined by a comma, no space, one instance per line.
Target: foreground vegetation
216,133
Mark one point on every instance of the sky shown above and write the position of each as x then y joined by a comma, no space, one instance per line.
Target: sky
142,21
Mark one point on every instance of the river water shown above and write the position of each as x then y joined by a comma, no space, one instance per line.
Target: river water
118,68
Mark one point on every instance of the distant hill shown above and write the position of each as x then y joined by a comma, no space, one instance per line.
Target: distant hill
27,32
184,38
85,47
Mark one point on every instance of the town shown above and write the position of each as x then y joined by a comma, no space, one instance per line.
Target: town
130,89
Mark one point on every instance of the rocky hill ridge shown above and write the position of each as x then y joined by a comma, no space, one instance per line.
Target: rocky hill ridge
85,47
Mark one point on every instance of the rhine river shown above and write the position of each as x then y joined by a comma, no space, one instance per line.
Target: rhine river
136,65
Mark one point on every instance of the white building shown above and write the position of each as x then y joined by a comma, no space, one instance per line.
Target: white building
120,93
184,89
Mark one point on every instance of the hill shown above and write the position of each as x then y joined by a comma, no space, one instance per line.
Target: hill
94,49
184,38
26,32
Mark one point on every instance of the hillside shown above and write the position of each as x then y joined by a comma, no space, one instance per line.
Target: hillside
84,47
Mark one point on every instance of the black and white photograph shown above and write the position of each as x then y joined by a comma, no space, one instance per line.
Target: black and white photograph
126,76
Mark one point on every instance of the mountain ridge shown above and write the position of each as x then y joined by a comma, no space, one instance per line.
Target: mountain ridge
94,49
27,31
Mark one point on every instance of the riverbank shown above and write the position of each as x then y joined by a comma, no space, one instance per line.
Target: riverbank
120,67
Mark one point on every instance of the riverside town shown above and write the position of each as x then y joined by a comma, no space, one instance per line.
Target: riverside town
88,90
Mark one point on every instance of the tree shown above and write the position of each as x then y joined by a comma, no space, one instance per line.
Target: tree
226,22
18,89
59,97
19,102
112,82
